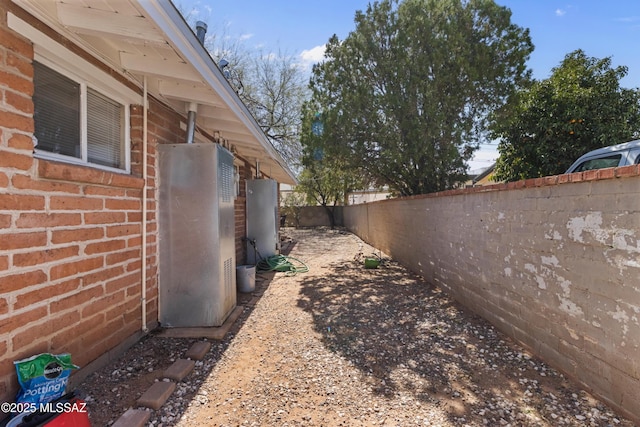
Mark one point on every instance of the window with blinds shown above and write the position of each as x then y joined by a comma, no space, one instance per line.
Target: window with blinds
93,133
57,112
104,130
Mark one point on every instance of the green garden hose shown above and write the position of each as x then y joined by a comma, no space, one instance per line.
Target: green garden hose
290,265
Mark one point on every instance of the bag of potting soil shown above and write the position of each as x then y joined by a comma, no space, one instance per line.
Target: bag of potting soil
43,378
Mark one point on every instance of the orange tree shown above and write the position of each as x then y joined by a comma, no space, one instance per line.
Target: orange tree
580,107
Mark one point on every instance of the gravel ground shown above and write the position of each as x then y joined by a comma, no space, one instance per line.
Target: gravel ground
343,345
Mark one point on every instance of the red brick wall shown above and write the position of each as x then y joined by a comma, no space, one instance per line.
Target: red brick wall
240,216
70,236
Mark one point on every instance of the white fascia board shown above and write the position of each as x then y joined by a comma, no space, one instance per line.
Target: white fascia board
178,32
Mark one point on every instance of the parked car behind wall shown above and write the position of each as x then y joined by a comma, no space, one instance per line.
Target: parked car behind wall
613,156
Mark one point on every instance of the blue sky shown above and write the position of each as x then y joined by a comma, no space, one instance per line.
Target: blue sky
301,27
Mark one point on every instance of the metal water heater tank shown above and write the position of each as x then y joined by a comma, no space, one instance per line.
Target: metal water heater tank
197,269
262,219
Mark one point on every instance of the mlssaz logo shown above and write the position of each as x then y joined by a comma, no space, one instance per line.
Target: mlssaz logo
52,370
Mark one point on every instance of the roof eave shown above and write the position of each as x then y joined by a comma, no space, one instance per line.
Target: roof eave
180,35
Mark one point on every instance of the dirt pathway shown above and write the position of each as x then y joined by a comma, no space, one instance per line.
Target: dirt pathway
342,345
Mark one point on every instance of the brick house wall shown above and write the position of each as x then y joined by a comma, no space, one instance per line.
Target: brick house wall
553,262
245,171
71,235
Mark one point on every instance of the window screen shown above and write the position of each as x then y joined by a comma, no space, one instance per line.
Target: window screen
104,130
56,102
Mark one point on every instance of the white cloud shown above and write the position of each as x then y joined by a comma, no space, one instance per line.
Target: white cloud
247,36
313,55
560,12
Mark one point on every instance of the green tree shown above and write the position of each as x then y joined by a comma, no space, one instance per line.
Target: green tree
327,176
322,186
580,107
406,96
293,204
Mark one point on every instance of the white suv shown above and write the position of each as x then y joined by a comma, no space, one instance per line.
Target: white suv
613,156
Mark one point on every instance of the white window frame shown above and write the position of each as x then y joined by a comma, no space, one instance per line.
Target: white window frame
84,85
60,59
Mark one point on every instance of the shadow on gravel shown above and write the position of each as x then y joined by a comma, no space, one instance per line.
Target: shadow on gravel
409,339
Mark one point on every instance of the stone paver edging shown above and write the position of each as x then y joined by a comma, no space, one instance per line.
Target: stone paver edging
160,391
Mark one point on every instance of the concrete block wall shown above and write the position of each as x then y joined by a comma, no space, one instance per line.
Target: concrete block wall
552,262
315,216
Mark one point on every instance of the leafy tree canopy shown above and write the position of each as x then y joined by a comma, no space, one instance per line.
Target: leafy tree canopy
405,97
579,108
327,176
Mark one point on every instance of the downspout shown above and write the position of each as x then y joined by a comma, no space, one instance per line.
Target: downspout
145,112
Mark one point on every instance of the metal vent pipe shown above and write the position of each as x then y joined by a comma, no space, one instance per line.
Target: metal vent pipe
191,122
201,30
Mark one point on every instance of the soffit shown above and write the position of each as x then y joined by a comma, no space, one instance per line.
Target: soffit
149,38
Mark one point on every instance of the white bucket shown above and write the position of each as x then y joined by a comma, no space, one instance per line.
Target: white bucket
246,278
